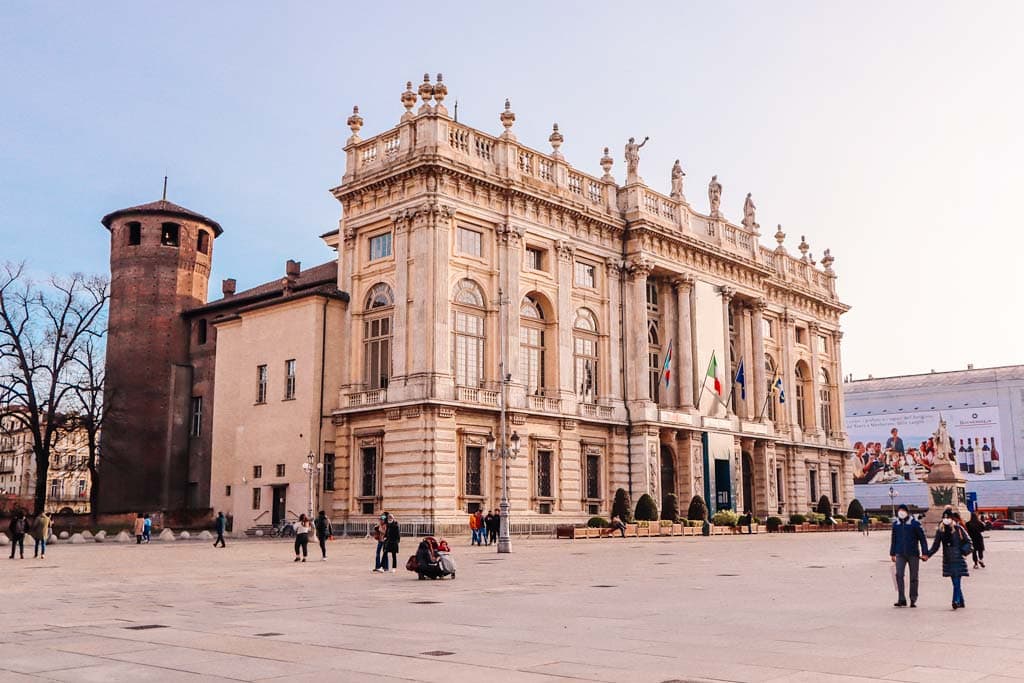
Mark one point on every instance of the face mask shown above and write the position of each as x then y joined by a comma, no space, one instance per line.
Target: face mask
947,521
901,514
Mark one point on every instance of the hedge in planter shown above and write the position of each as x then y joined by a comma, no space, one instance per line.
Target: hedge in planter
855,511
773,523
598,522
698,510
824,506
725,518
621,507
797,518
670,507
646,509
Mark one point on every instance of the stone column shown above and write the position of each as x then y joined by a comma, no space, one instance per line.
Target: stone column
566,252
838,400
787,411
509,240
815,425
726,361
746,354
760,381
613,352
400,348
684,342
635,362
346,283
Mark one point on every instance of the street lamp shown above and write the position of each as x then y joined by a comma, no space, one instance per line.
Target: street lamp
509,449
892,499
312,469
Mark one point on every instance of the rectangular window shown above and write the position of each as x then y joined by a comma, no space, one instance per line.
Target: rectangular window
377,336
474,463
169,234
469,349
280,470
469,242
56,488
812,482
544,474
369,483
261,383
779,486
328,471
81,488
380,246
134,234
203,242
801,336
531,358
256,498
585,275
822,344
766,329
257,471
654,375
534,258
289,379
227,490
593,477
835,488
201,331
197,416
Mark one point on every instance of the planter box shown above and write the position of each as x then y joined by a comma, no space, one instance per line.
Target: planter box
690,531
631,531
664,529
761,528
565,531
677,529
643,531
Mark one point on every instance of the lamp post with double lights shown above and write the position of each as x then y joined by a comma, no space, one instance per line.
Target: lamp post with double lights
312,468
509,449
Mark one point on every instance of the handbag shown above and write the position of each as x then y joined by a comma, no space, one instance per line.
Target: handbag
966,547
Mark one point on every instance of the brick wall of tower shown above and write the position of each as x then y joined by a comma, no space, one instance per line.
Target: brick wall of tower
145,446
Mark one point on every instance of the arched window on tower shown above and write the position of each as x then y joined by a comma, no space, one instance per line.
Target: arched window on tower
380,304
203,242
170,234
468,330
134,233
585,356
531,345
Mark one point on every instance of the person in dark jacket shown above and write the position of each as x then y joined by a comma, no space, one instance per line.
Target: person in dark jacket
18,529
907,547
220,525
427,565
950,537
391,539
324,531
494,527
975,528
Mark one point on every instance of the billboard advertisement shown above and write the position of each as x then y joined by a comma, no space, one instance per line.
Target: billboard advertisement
885,457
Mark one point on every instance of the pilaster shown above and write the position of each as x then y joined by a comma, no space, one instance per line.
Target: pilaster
684,341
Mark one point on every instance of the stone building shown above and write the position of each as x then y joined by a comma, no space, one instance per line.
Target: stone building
462,258
68,482
469,255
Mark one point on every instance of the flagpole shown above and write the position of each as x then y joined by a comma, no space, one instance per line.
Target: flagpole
771,392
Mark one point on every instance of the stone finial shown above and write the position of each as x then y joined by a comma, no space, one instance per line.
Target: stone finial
408,101
810,259
803,247
440,92
827,260
780,237
508,117
556,139
355,123
606,164
426,93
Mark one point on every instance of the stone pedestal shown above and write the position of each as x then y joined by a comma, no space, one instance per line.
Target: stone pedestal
947,487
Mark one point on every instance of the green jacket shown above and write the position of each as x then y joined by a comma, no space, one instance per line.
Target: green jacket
41,527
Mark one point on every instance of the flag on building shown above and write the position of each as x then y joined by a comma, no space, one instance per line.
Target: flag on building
777,388
667,367
713,373
741,379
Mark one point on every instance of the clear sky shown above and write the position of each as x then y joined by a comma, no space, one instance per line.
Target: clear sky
888,132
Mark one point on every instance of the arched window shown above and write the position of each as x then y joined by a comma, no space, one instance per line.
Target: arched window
468,330
800,390
824,401
653,359
203,242
531,345
380,302
585,356
772,391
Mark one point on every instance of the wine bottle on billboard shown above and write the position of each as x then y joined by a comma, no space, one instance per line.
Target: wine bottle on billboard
979,460
961,457
970,456
996,465
986,455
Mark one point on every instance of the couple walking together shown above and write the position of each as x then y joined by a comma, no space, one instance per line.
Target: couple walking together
909,546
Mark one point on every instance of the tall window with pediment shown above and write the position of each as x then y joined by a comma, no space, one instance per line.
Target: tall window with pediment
770,407
654,359
377,328
824,401
585,356
531,345
468,326
800,389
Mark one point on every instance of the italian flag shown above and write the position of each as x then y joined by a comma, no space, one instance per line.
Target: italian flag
713,373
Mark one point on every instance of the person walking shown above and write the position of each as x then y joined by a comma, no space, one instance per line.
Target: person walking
481,528
494,526
488,521
865,524
391,540
380,530
906,548
474,527
139,528
615,525
17,530
147,529
220,525
41,531
324,531
302,528
951,537
975,528
750,522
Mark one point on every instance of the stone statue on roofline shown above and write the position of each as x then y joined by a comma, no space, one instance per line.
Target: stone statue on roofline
714,195
749,208
632,155
677,181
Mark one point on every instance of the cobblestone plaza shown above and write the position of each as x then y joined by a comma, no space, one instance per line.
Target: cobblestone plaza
762,608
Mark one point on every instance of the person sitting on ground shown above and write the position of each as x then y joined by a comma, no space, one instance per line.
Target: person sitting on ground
427,561
616,525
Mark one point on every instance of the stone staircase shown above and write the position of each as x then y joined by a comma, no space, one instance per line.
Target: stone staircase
265,528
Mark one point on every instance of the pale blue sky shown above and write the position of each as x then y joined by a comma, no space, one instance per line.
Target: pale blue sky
889,132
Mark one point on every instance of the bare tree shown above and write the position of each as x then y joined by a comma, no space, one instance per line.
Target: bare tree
42,332
89,407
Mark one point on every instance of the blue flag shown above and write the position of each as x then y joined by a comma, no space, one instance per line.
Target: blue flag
780,391
741,379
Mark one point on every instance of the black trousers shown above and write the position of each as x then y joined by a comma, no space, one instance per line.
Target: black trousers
979,555
19,541
302,541
323,545
220,539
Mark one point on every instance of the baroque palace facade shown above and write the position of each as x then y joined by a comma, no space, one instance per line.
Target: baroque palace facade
462,258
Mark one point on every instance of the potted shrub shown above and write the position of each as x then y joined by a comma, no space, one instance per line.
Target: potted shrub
726,520
698,510
824,506
643,527
797,521
670,507
773,524
646,510
621,506
855,511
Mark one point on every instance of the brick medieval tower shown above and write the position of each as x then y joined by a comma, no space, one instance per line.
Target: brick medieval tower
160,257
